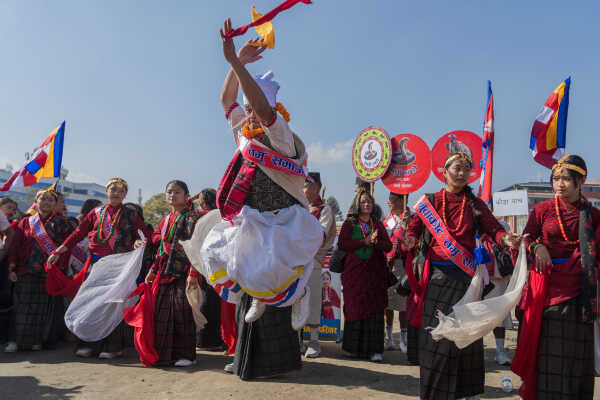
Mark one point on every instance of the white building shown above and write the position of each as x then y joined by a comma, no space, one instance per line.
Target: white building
75,193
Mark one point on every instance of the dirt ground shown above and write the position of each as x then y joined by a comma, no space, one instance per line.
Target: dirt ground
58,374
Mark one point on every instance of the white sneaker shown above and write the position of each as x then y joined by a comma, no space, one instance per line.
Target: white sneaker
184,363
303,346
84,352
388,344
502,358
36,347
377,357
109,356
300,310
11,347
402,346
257,309
228,368
313,350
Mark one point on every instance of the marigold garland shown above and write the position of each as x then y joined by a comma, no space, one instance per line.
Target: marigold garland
252,133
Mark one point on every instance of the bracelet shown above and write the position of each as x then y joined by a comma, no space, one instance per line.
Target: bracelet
532,248
503,240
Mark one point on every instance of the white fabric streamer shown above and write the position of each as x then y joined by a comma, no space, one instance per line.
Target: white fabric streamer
203,226
472,319
97,309
195,297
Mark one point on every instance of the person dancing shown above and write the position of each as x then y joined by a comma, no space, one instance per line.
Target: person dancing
175,329
111,229
261,194
448,372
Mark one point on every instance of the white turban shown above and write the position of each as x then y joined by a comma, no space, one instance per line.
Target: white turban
268,86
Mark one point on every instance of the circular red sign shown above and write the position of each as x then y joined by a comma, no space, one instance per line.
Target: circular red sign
410,166
453,142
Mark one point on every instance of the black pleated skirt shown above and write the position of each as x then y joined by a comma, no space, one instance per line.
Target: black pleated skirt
565,355
447,372
38,317
268,346
364,337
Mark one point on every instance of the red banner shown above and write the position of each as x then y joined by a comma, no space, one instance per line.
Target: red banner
453,142
411,164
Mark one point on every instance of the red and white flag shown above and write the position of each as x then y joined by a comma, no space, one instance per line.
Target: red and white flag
487,153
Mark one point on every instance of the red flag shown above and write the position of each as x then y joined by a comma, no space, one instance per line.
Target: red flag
487,152
266,18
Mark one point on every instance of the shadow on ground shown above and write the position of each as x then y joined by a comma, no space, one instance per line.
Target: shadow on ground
29,388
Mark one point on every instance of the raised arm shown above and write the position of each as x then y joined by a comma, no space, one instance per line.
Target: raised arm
253,93
230,90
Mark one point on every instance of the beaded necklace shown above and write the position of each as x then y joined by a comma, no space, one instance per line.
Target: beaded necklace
161,249
112,227
462,211
560,223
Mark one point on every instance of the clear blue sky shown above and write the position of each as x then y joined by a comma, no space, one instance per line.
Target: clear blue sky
138,81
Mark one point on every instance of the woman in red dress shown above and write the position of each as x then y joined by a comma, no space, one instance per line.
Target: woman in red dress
364,279
111,229
175,330
38,316
563,239
447,372
330,298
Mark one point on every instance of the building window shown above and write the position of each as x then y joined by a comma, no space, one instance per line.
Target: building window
67,189
80,191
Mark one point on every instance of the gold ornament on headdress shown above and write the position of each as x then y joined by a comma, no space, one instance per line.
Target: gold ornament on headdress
49,189
265,31
458,156
560,164
119,182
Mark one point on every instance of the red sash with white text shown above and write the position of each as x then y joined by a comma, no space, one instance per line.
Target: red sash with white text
268,158
40,234
453,250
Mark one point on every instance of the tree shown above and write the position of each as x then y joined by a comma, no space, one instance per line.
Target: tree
155,209
335,207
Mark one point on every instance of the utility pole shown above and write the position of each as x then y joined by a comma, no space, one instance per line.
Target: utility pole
140,196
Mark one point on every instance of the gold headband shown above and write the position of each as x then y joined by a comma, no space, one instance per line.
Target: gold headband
458,156
47,190
118,182
560,164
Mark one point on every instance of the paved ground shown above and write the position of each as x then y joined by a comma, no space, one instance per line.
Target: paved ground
59,375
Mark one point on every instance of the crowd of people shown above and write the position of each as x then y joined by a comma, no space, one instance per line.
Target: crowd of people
273,220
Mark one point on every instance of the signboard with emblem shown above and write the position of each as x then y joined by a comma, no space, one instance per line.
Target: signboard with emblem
371,154
453,142
410,166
